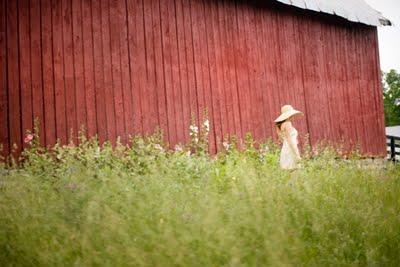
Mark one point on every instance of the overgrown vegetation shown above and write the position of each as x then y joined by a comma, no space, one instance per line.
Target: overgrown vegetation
144,205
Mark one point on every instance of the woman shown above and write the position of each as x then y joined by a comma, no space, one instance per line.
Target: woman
290,155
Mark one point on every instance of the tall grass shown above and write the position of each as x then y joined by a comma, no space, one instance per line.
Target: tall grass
141,205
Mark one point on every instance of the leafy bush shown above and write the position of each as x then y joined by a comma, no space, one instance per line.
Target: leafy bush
391,97
145,205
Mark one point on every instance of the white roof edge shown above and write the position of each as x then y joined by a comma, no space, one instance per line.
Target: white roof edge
352,10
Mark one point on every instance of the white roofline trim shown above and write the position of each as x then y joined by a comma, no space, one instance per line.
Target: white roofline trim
352,10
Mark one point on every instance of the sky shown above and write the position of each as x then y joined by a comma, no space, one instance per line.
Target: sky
389,36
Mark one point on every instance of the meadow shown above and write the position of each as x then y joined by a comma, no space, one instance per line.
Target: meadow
145,205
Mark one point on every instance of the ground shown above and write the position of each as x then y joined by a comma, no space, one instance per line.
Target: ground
145,206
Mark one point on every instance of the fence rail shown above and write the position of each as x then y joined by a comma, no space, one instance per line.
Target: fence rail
393,145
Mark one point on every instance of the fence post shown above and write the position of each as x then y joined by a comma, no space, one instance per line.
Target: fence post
392,149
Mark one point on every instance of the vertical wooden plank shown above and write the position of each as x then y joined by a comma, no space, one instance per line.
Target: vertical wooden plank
208,97
378,139
141,66
116,70
312,75
238,78
4,137
254,75
353,88
167,49
368,92
14,100
183,119
197,44
352,122
348,127
249,58
214,70
47,74
230,22
326,64
279,33
183,73
25,66
261,77
269,51
126,78
159,69
321,103
380,117
336,78
242,69
368,63
227,59
101,118
194,108
58,62
297,57
107,71
150,84
36,70
69,80
79,75
175,74
137,61
365,105
289,69
90,94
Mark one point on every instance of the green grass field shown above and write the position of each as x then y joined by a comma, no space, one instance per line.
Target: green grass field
142,206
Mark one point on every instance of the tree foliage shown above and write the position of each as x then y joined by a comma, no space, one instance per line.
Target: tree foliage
391,97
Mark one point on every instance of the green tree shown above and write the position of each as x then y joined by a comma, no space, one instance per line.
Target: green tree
391,97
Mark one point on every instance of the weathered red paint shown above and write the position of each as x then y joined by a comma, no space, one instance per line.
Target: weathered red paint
121,68
4,131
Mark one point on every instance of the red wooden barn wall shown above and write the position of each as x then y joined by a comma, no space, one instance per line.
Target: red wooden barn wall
125,67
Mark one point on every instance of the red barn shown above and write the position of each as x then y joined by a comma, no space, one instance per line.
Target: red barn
122,68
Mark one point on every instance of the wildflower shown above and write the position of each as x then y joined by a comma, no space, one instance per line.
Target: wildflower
194,129
315,151
28,138
264,150
158,147
178,148
97,152
226,145
207,125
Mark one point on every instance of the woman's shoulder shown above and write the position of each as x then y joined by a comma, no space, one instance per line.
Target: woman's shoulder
287,125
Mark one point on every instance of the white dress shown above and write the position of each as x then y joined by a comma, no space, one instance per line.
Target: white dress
289,159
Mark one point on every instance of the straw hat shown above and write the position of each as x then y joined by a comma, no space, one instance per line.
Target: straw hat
287,111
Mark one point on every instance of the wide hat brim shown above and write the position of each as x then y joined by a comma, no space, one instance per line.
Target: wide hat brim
286,115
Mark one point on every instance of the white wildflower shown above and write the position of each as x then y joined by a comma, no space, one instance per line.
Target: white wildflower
178,148
264,150
207,125
158,147
194,129
226,145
